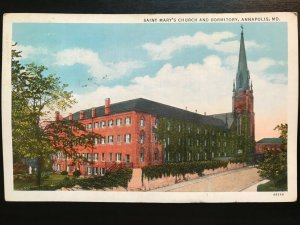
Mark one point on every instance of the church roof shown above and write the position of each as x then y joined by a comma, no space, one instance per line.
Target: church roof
227,118
270,141
154,108
242,76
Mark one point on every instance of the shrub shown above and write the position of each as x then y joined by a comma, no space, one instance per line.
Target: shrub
77,173
65,173
180,168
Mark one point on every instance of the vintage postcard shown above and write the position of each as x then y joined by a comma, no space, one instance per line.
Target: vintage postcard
150,108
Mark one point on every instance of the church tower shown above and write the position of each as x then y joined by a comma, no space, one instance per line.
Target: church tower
242,100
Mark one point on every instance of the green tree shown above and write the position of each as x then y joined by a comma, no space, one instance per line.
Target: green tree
34,95
274,164
68,136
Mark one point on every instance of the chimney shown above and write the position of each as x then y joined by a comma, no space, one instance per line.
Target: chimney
70,116
93,112
204,113
81,115
57,115
107,106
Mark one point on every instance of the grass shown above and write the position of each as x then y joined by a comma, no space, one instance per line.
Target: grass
271,186
28,181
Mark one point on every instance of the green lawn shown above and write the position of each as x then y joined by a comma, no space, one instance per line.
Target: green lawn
24,183
271,186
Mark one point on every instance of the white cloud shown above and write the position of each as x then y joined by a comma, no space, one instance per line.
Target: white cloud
214,41
28,51
96,67
204,86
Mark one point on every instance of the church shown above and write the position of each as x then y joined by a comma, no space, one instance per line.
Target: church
140,132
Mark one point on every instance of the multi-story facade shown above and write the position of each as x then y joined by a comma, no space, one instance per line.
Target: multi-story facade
140,132
268,144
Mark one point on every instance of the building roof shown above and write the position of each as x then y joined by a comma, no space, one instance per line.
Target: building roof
242,76
270,141
227,118
154,108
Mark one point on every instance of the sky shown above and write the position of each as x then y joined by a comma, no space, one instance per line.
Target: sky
190,65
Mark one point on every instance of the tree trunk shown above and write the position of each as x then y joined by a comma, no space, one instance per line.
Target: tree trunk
39,171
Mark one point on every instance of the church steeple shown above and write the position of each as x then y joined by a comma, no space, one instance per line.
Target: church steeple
242,76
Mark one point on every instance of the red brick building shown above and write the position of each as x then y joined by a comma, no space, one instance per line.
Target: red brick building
268,144
129,139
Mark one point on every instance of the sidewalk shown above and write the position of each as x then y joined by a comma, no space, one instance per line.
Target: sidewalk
229,181
253,188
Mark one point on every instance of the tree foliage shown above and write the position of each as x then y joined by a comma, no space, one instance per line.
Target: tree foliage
274,164
34,94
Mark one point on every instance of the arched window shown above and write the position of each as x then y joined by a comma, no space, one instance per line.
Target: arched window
142,155
142,137
142,122
156,156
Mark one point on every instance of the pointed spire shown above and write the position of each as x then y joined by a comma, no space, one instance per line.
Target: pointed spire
233,89
242,76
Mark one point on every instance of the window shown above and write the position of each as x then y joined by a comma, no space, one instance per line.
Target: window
142,122
179,157
110,157
156,123
59,155
155,139
127,158
142,155
205,156
83,155
118,139
238,125
168,125
110,123
156,155
127,138
119,122
102,124
198,156
89,170
89,157
103,157
96,125
204,142
58,168
68,168
205,131
96,141
95,172
118,157
89,127
168,140
95,157
110,139
142,138
212,154
225,144
189,129
198,130
197,142
212,143
102,140
179,128
189,156
127,121
225,154
224,134
102,171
